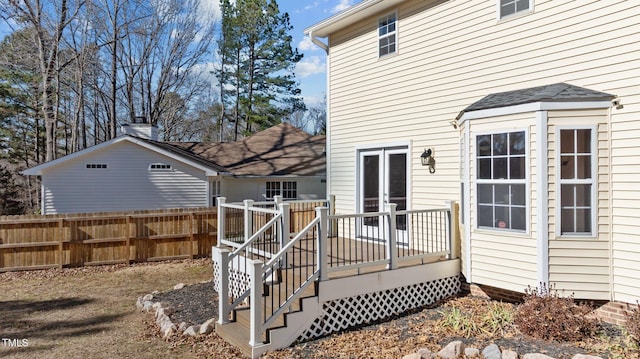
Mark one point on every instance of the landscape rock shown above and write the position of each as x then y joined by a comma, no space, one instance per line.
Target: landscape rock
148,297
178,286
147,305
452,350
207,327
139,303
584,356
191,331
509,354
536,356
411,356
182,326
472,352
492,352
425,354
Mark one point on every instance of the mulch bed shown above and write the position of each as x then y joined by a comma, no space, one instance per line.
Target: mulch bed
393,338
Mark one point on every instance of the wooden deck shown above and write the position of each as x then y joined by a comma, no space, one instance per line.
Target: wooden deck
301,262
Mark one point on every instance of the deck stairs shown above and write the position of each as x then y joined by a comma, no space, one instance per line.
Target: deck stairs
283,331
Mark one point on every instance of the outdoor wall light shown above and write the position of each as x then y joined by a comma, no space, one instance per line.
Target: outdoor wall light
426,158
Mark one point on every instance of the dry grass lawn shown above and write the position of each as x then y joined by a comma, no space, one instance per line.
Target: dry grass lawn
89,312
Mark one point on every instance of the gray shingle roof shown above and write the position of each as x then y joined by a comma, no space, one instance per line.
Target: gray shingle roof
559,92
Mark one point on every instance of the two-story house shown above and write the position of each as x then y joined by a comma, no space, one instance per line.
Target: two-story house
525,111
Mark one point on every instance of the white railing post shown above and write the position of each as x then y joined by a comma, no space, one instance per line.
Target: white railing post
284,229
220,224
392,242
449,231
323,259
221,256
333,225
277,199
255,302
248,220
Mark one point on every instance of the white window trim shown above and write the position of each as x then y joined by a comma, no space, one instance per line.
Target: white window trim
594,182
281,189
514,15
395,34
526,181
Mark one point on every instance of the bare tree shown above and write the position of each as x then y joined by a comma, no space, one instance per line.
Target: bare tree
49,20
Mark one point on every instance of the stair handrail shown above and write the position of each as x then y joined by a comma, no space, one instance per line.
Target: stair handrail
264,270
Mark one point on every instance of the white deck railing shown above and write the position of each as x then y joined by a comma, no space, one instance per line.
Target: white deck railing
337,243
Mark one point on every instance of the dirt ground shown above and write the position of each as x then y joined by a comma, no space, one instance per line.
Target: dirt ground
90,313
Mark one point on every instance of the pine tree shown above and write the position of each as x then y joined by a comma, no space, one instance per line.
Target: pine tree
258,85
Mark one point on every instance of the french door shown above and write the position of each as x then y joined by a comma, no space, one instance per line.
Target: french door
383,179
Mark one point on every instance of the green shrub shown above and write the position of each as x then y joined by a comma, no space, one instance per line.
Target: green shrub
633,323
546,314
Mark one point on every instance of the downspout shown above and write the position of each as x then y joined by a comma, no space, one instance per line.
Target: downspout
327,146
612,295
542,194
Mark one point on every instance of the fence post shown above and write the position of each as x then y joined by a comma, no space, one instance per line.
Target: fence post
323,259
61,245
221,256
255,303
220,224
284,230
452,229
277,199
392,249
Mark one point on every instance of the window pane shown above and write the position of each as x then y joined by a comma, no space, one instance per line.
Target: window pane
567,195
516,143
499,168
507,9
566,141
583,220
485,216
484,145
392,27
518,195
484,168
584,141
500,144
519,218
502,194
583,195
517,168
522,5
502,217
567,216
584,166
485,193
567,167
392,48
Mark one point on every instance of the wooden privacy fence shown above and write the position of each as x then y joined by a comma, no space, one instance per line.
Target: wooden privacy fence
38,242
70,240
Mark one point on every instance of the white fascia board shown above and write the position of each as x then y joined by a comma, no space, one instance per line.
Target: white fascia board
37,170
349,16
532,107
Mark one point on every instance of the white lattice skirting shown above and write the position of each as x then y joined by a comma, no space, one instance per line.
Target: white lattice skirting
239,282
349,312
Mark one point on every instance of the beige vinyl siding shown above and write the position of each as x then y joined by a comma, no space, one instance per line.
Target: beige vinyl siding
580,265
126,183
625,194
451,54
499,258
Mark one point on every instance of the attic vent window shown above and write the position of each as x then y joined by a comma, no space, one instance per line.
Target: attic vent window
159,167
96,165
